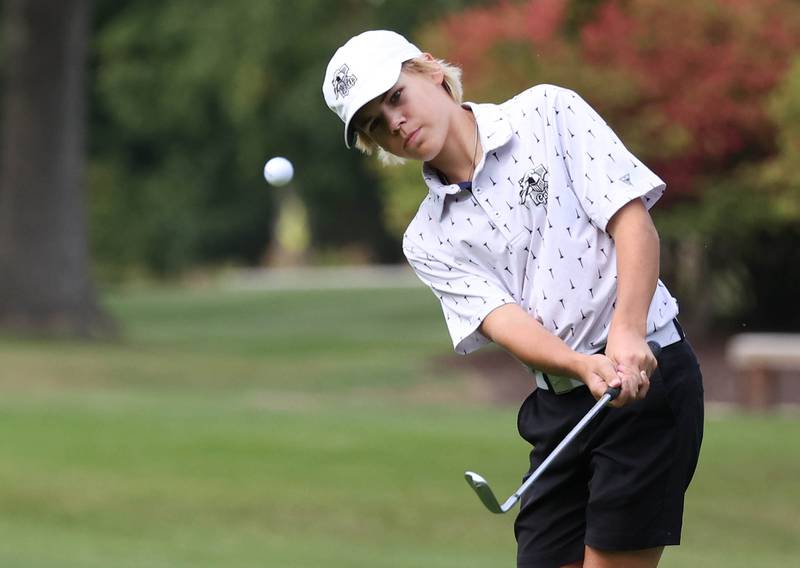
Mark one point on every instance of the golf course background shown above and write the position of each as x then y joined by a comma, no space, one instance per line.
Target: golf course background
309,428
156,413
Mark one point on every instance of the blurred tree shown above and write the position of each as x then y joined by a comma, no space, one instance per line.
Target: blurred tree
779,177
181,131
711,79
769,258
192,98
46,285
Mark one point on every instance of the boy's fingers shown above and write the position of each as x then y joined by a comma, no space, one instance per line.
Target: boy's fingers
633,386
644,387
629,389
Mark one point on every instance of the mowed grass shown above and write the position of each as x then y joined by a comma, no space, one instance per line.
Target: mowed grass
306,429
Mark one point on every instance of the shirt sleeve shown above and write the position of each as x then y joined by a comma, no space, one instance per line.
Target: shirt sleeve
601,171
466,296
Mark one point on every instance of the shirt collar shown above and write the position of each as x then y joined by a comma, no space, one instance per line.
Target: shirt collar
494,129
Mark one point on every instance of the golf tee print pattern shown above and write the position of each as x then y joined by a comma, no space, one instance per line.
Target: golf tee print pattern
531,230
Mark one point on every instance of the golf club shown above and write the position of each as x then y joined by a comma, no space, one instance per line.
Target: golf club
481,486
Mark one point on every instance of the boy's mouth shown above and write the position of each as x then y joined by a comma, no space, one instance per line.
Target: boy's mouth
411,137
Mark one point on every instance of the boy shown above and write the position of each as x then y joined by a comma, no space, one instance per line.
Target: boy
535,234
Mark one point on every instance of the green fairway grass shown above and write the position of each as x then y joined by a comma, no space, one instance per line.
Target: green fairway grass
307,429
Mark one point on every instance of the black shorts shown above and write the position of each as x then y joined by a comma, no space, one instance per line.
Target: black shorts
620,484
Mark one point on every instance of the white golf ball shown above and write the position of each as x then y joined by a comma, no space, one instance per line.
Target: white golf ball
278,171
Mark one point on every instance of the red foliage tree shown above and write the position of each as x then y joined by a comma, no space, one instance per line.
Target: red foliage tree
684,82
484,40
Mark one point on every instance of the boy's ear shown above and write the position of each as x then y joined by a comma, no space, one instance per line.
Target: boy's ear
437,75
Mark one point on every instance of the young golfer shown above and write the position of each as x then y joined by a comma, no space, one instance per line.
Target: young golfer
535,234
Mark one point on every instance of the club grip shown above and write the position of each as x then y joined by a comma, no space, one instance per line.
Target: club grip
613,392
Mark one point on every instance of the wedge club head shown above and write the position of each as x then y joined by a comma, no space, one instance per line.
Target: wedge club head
485,494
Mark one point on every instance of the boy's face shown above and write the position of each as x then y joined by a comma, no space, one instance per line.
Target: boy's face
409,120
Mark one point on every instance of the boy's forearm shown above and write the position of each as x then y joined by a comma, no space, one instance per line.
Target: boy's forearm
516,331
524,337
637,247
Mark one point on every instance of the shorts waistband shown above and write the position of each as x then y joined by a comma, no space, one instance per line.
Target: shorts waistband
667,335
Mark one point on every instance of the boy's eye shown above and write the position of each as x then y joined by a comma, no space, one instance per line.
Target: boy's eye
373,123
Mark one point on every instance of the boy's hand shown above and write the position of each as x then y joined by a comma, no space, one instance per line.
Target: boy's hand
598,372
634,363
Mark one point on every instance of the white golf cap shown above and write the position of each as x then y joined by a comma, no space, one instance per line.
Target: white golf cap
363,68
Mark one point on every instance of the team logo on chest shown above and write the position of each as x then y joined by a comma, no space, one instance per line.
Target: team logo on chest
343,81
534,186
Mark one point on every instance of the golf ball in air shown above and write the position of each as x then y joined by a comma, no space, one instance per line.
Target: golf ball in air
278,171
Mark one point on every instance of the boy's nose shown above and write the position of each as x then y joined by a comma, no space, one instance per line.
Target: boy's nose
396,120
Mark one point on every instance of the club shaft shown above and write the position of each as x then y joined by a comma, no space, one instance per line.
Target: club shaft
485,493
554,454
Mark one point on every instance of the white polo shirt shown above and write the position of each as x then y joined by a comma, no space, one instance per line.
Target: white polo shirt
532,229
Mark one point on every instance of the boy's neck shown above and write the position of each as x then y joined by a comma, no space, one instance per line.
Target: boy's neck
462,150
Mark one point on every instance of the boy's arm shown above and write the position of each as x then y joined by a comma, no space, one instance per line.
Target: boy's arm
637,245
524,337
628,361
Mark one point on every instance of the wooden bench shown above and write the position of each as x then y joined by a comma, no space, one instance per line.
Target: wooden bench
758,358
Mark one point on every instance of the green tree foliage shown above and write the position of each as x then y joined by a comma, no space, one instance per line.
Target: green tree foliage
171,182
190,99
768,255
779,177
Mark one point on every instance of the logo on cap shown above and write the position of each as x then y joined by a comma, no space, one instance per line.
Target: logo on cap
343,81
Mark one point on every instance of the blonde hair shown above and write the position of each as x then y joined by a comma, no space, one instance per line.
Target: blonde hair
452,85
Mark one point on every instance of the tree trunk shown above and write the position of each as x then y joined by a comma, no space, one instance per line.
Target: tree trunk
45,282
